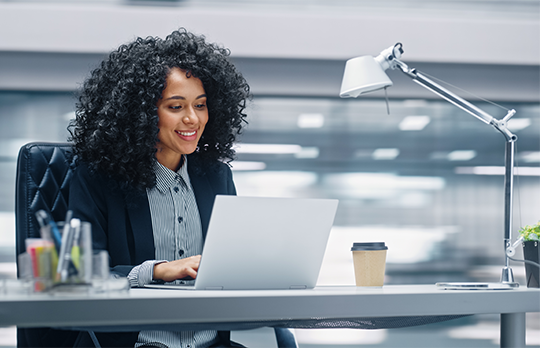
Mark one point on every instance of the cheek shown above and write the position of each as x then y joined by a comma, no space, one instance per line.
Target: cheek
164,120
161,129
204,119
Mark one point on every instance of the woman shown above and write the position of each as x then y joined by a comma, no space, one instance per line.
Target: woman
153,126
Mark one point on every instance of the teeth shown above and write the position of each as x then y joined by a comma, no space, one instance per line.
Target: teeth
186,134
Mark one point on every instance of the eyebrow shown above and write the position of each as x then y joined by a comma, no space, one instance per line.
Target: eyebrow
183,98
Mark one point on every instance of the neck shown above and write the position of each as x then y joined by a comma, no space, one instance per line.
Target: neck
172,164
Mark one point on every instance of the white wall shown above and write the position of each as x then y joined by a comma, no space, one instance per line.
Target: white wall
442,37
52,47
284,51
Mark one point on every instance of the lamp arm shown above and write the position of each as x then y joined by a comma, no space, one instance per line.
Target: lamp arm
461,103
457,101
501,126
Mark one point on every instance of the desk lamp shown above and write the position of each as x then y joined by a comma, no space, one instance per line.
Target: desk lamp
366,74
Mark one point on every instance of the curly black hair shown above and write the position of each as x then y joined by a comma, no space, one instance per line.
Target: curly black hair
115,130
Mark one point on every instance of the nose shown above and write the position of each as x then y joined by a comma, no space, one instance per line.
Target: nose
190,117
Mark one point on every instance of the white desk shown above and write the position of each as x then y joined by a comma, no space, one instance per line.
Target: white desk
144,308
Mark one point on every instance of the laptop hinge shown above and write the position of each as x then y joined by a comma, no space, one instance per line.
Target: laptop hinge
214,288
293,287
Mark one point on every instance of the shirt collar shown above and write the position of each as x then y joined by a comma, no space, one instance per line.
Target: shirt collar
166,178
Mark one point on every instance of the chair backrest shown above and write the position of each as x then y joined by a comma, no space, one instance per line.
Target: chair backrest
44,171
42,182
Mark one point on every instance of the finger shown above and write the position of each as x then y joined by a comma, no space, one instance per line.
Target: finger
191,273
197,263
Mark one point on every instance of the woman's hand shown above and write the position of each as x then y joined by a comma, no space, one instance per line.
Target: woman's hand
178,269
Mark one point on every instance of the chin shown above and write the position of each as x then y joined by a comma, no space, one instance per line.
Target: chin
188,151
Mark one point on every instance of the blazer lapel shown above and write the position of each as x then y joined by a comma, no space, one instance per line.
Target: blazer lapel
204,196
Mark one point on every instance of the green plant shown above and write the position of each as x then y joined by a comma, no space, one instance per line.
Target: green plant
531,233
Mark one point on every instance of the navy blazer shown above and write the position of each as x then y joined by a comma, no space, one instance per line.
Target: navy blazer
122,225
121,221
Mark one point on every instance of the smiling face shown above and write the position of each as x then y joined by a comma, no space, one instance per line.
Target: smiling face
182,116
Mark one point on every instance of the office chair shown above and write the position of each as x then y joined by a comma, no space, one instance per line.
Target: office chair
42,182
44,171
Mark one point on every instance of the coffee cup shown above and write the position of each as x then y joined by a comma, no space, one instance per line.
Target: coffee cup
369,263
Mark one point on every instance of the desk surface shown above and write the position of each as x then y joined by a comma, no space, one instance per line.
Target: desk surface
162,307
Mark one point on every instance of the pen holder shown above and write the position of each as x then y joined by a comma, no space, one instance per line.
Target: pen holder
63,256
63,261
76,255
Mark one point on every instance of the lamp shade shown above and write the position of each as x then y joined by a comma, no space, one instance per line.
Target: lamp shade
363,75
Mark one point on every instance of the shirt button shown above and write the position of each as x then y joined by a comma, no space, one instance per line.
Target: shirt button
180,252
176,189
180,219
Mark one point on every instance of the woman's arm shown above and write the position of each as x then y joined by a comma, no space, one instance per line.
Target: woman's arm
178,269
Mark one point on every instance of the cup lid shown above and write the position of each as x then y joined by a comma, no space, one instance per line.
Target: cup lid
369,246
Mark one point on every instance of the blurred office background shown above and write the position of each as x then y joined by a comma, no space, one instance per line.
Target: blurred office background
426,177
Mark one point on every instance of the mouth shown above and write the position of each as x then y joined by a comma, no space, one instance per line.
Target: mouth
186,134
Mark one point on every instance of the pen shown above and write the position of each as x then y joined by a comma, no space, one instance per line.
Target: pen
65,251
45,221
75,249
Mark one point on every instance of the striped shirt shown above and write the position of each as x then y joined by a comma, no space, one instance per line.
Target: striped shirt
177,234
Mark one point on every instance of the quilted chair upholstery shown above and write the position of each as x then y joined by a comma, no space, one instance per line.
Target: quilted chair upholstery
43,174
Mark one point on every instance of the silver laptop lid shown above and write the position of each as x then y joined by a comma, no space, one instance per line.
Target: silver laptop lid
265,243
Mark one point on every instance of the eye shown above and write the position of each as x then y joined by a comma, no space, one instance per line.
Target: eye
200,106
177,107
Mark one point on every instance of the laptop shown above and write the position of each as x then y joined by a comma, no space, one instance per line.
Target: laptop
263,243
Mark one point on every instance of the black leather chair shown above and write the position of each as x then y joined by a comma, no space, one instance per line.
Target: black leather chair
44,171
43,174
